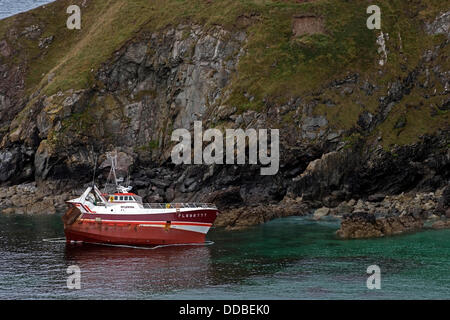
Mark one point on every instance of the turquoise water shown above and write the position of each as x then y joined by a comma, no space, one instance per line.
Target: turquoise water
289,258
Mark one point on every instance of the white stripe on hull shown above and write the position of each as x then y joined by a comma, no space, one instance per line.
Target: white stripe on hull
200,229
194,227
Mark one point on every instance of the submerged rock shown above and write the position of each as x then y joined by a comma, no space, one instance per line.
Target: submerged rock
441,224
362,225
246,216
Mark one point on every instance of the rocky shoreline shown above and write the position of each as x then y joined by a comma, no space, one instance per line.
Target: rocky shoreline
32,198
389,215
376,216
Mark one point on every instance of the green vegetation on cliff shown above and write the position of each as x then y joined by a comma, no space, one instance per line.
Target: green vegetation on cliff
277,64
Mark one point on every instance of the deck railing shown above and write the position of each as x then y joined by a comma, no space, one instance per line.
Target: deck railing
179,205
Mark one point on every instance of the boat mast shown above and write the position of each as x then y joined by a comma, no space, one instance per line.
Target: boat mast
112,174
113,167
95,167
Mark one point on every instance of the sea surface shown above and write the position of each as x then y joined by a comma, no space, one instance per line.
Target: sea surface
288,258
12,7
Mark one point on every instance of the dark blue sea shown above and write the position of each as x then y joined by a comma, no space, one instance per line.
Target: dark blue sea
12,7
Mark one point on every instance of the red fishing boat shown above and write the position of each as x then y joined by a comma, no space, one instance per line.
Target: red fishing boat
122,218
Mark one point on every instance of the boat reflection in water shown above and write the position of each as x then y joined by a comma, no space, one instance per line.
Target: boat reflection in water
119,271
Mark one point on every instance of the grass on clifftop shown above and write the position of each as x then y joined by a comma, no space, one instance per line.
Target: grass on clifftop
276,64
106,25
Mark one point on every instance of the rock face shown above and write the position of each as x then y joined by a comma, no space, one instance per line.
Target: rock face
5,50
7,165
332,161
443,204
177,80
171,79
441,25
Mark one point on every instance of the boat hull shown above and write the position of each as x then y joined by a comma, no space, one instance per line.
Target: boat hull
143,230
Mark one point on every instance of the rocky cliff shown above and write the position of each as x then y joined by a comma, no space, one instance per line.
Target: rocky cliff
362,113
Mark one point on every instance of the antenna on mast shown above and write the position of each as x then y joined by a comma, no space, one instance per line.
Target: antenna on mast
95,167
112,174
